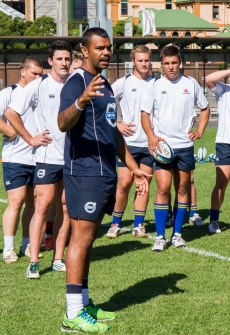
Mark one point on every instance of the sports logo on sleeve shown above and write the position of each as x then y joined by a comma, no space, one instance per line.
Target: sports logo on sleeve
111,115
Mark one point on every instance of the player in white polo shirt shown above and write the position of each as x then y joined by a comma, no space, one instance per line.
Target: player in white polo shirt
18,166
128,89
41,99
171,101
222,93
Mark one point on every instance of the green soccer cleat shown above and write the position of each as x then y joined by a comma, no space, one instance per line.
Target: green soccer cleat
83,323
32,271
97,313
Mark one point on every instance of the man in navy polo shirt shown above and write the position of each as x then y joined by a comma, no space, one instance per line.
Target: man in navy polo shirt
88,116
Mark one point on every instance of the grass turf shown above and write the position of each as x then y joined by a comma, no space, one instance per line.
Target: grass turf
174,292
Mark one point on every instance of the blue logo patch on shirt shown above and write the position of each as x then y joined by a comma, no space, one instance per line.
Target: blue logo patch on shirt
111,115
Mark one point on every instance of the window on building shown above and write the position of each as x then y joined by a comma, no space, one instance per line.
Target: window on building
215,12
20,7
162,33
187,33
124,7
168,4
175,33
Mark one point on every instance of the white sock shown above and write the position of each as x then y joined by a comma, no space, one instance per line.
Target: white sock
85,294
25,241
8,243
74,304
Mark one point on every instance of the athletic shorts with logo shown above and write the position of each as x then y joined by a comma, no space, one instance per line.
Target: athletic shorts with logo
141,155
183,160
222,154
16,175
88,198
48,173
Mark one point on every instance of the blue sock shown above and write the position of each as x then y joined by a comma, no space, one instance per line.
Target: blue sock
161,214
214,214
139,217
117,217
180,209
192,210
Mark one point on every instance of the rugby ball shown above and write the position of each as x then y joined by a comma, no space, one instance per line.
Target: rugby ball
195,158
166,155
202,154
212,157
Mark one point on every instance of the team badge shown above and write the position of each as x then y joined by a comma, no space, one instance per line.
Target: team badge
186,91
90,207
41,173
111,115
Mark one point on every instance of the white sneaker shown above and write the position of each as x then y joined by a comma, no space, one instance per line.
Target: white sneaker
32,271
26,251
58,266
114,231
9,256
196,220
177,241
160,244
213,227
170,221
139,231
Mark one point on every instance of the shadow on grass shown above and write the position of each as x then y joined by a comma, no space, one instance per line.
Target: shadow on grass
191,232
113,250
144,291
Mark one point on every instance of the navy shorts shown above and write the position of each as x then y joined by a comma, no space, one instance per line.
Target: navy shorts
88,198
47,173
222,154
183,160
141,155
16,175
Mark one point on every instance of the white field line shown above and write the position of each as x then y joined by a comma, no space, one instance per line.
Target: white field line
3,200
192,250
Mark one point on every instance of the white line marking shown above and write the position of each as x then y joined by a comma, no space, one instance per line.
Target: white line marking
192,250
3,200
207,254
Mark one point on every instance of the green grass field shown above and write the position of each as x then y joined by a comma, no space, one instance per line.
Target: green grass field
177,292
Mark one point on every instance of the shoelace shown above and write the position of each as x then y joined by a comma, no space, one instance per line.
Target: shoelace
94,305
159,241
33,268
88,318
215,224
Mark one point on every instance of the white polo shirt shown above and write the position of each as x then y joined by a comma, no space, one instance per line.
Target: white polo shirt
131,87
41,99
222,93
172,105
16,150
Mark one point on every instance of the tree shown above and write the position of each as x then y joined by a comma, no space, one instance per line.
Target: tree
43,26
119,29
73,27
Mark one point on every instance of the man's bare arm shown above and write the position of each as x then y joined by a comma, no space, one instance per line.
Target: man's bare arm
6,129
16,122
203,121
212,78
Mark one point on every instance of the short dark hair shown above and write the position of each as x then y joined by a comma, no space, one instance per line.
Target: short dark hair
27,61
87,36
58,45
169,51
